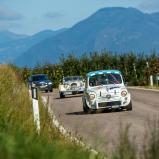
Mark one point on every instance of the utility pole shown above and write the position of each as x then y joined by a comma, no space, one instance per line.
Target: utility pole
135,70
147,64
157,78
150,77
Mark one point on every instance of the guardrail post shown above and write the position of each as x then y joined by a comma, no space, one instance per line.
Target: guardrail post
35,103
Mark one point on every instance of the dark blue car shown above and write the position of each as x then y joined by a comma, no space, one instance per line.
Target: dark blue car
41,81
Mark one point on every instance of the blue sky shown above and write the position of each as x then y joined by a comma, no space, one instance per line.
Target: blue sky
31,16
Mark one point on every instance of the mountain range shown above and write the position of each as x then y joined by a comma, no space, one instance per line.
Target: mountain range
14,45
115,29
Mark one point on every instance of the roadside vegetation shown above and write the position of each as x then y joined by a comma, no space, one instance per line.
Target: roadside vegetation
128,149
136,69
18,136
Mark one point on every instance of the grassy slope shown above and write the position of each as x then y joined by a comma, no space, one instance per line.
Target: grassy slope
18,138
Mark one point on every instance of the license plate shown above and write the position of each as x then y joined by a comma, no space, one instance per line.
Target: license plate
68,93
115,106
42,86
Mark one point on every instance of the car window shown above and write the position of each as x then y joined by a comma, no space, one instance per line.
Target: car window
105,79
39,78
66,79
73,78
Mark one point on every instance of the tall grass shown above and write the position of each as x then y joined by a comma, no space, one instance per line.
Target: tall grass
18,137
15,106
151,145
126,149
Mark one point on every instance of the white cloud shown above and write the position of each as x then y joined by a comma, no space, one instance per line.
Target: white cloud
9,19
9,15
149,5
53,15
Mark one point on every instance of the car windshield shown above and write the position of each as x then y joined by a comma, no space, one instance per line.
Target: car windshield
39,78
105,79
73,78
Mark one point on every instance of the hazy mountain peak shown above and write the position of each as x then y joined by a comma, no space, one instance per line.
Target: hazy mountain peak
116,29
7,36
118,11
13,45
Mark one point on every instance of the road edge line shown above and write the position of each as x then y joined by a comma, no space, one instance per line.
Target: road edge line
63,131
144,89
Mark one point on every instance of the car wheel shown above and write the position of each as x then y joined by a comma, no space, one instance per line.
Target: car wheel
51,90
46,91
86,109
62,95
129,107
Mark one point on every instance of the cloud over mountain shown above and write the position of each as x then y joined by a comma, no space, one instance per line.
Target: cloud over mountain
149,5
53,15
8,14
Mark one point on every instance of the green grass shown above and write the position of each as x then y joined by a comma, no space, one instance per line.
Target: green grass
152,87
126,149
18,136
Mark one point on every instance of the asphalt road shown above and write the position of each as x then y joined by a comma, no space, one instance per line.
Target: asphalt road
101,130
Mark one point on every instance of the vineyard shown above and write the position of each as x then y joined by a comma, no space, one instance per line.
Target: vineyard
136,68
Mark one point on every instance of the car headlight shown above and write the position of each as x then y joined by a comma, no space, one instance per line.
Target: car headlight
50,83
66,85
33,85
124,93
92,96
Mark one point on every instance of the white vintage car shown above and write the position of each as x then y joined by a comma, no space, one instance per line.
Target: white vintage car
105,89
71,85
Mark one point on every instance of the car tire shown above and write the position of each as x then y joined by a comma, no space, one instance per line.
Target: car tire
129,106
62,95
46,91
51,90
86,109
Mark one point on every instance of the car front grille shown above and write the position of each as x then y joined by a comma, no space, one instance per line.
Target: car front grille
109,104
73,85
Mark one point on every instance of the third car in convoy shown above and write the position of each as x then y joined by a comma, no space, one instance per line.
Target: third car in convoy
105,89
41,82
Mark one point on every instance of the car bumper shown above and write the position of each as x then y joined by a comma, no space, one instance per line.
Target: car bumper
109,104
45,87
73,91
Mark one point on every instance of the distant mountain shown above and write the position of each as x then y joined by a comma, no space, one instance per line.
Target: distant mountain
11,49
114,29
7,36
155,17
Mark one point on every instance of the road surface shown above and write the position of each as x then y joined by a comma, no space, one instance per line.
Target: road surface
101,130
